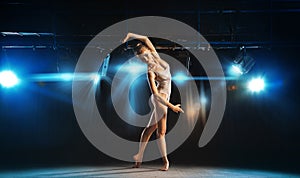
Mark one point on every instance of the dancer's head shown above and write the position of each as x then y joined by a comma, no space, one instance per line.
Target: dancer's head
140,49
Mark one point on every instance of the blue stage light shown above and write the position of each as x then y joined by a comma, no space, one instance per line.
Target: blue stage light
256,85
97,78
236,70
132,67
243,63
8,79
203,100
180,77
66,76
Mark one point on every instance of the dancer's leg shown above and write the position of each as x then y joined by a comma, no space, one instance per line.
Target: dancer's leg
161,131
145,136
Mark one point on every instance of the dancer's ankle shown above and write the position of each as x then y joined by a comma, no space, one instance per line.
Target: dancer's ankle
138,161
165,166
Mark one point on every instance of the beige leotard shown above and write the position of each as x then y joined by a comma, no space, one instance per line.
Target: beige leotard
163,81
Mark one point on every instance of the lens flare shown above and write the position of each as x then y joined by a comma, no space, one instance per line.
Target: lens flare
8,79
256,85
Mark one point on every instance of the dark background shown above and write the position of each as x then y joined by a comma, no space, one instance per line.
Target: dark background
37,123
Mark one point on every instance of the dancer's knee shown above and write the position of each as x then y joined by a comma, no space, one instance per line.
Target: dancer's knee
149,130
146,132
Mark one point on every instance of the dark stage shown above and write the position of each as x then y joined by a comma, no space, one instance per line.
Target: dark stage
237,82
146,171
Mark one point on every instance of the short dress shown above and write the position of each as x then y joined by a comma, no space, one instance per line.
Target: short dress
163,81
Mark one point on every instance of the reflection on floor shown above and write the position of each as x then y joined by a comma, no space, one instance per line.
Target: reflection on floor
146,171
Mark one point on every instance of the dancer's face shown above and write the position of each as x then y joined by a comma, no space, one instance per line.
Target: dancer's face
144,55
143,49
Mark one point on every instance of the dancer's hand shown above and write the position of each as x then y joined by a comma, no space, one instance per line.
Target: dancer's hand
123,41
126,38
177,108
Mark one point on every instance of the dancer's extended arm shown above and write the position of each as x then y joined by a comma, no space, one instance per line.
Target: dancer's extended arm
147,42
142,38
151,78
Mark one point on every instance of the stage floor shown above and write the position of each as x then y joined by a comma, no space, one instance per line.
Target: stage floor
146,171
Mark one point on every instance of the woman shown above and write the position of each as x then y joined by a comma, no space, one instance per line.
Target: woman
158,72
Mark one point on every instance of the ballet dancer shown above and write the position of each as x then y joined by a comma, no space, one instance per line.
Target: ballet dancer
159,79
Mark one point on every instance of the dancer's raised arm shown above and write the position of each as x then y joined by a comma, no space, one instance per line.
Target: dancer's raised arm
142,38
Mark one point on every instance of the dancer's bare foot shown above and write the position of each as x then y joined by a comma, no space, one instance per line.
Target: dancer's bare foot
137,160
165,167
137,165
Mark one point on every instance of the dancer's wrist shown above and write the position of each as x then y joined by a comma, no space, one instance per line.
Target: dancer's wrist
170,105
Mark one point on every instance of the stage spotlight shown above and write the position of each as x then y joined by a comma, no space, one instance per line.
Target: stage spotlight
236,69
256,85
104,67
242,63
8,79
